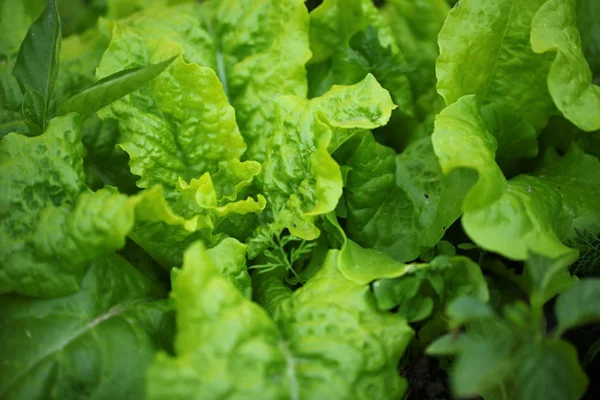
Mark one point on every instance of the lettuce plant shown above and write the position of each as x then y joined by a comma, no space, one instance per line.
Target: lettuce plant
245,199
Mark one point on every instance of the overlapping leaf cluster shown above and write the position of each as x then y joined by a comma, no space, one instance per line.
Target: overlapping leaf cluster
245,199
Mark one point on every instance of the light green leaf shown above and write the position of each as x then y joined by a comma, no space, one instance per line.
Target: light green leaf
529,217
52,226
363,265
115,322
118,9
229,257
179,124
258,62
550,370
400,203
528,213
350,39
219,353
255,63
301,179
575,176
162,232
554,29
460,140
538,213
37,63
192,151
112,88
485,50
579,305
166,225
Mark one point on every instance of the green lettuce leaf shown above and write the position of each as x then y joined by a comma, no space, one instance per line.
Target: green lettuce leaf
529,212
516,138
259,61
178,125
460,140
299,154
350,39
193,152
415,25
554,29
97,342
52,226
589,29
400,203
485,50
218,353
104,163
164,228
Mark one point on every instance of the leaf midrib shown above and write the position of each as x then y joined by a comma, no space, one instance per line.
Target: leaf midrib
114,311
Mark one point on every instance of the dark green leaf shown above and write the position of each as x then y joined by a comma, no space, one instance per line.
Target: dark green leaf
480,368
467,308
38,60
579,305
549,276
112,88
34,110
446,345
550,371
95,343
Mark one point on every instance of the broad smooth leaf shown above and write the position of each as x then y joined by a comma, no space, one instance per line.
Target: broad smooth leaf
95,343
480,367
549,276
38,60
399,204
112,88
550,370
468,308
579,305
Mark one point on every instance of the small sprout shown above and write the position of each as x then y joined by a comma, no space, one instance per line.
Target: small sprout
279,257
